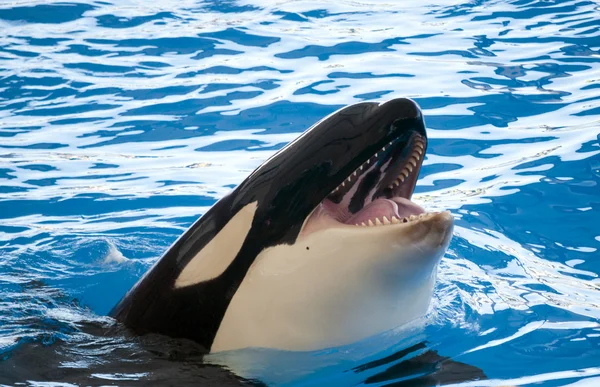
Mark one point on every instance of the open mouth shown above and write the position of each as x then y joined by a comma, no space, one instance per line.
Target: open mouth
378,192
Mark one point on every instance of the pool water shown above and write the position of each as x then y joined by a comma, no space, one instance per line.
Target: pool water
123,121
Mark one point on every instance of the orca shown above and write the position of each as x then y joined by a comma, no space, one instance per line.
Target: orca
319,247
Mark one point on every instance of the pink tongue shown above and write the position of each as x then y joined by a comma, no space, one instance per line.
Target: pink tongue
398,207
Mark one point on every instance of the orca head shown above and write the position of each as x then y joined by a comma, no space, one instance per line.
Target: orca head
320,246
333,248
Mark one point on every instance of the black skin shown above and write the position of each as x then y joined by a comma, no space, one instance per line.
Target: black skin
287,187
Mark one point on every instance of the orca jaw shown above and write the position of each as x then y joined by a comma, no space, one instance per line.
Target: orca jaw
379,191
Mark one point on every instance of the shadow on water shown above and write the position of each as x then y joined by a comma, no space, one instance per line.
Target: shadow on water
120,359
102,352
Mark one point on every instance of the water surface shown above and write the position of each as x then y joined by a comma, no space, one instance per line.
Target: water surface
123,121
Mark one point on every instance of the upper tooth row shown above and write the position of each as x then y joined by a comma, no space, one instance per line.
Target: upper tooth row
395,220
355,173
409,167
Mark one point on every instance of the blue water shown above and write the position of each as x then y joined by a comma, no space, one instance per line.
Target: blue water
121,122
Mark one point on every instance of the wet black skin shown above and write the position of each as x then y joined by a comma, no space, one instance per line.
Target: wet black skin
287,187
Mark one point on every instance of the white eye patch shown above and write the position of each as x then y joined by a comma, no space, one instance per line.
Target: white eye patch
219,253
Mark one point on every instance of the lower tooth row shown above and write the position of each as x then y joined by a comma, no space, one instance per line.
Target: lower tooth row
394,220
